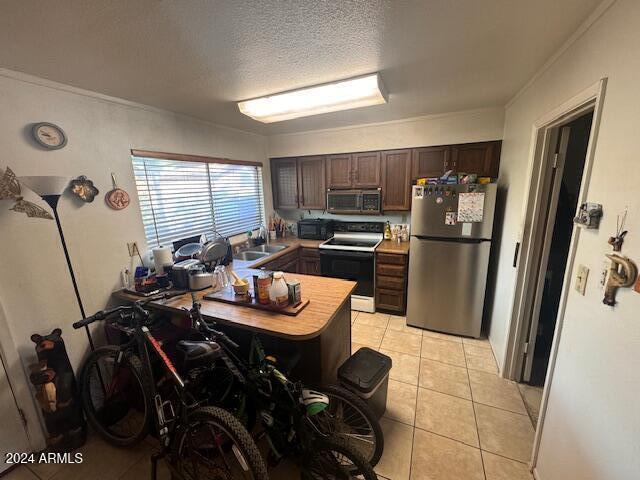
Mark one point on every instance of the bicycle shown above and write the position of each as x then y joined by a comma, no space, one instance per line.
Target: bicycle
298,421
197,440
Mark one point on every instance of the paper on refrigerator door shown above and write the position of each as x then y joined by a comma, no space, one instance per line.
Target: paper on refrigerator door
470,207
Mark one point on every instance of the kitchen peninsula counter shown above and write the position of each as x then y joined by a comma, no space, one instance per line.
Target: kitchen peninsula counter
320,333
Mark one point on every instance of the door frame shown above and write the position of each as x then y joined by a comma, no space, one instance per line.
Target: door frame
590,99
18,380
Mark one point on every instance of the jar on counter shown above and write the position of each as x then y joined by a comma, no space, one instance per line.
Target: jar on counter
279,292
264,286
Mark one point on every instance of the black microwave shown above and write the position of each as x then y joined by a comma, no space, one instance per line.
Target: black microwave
315,229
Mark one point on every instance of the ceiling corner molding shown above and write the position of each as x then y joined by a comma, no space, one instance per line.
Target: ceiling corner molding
582,29
63,87
420,118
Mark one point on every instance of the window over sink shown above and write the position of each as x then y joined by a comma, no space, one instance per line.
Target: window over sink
180,199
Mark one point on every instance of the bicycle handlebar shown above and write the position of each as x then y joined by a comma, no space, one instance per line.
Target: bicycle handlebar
102,314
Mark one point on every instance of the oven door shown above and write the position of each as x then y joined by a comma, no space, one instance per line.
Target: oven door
350,265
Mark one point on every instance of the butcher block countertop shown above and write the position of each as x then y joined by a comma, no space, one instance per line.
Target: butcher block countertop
388,246
327,296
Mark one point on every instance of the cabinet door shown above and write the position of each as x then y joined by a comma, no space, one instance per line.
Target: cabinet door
480,158
311,183
291,267
309,266
429,162
396,180
284,181
339,171
366,170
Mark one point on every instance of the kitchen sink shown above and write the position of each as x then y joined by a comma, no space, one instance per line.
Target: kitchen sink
250,255
267,248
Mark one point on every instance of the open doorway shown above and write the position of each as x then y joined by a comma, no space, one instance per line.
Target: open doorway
564,183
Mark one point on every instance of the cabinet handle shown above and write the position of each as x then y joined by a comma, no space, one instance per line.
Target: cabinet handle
515,255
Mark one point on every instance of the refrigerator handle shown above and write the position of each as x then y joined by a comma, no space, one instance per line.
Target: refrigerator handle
515,255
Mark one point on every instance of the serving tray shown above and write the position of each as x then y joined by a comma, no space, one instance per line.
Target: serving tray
226,295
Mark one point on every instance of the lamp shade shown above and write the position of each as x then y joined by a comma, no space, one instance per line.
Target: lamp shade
48,185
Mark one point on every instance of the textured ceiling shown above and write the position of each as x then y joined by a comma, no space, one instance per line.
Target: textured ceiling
199,57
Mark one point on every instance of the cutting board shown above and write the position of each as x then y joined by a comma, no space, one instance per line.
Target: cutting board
226,295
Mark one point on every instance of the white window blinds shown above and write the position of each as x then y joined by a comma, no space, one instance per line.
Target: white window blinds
180,199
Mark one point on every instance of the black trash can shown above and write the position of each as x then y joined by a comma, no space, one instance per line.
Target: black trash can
366,373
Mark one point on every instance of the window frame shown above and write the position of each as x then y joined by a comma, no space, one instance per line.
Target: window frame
135,153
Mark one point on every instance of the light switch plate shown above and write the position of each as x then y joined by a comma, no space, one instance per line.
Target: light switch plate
581,279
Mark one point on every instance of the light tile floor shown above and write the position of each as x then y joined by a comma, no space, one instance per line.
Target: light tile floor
449,415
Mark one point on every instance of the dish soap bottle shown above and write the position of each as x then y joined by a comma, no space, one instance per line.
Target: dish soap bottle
387,231
279,292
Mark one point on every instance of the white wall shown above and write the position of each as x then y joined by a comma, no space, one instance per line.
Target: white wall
35,288
592,428
445,129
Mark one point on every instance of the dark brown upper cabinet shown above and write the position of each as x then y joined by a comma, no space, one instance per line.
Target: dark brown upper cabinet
480,158
339,171
430,161
311,183
396,180
353,170
366,170
284,181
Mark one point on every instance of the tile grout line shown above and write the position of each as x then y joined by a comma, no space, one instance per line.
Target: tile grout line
415,416
475,416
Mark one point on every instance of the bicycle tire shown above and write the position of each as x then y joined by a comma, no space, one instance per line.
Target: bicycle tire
237,433
367,417
97,419
325,455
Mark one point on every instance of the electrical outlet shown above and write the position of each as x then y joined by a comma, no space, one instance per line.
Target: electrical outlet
133,249
581,279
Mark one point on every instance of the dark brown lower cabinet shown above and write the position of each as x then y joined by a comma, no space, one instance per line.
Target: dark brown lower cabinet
302,260
391,282
309,261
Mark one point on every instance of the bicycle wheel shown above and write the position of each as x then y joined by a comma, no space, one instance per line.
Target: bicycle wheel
215,445
334,459
114,396
351,419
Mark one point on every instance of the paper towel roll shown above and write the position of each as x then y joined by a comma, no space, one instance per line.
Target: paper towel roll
162,256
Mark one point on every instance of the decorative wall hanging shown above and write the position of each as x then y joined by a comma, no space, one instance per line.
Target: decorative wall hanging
84,189
622,274
48,135
117,198
10,190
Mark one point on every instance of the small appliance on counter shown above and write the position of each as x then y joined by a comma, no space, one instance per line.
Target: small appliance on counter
181,271
315,228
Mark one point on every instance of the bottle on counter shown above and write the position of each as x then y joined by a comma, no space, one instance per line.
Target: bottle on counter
264,286
387,231
279,292
405,233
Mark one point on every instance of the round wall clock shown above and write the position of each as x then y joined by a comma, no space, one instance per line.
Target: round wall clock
48,135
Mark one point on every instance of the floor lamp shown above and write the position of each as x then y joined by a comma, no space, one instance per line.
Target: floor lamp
50,189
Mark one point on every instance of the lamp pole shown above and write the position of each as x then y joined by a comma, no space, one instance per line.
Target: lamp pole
52,200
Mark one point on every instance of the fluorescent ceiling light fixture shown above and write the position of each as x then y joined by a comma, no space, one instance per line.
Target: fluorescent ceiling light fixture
330,97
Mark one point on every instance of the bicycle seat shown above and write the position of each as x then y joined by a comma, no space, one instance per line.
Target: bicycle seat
198,352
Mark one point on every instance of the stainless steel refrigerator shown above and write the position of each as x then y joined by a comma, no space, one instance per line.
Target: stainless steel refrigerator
451,228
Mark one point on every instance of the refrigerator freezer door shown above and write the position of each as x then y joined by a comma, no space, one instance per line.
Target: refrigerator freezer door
429,212
447,281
